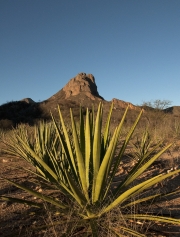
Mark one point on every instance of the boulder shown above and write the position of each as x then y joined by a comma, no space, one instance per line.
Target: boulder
122,104
82,83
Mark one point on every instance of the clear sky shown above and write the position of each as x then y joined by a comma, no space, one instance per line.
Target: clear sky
132,47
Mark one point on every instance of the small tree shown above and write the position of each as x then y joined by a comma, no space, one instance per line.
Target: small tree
157,104
154,112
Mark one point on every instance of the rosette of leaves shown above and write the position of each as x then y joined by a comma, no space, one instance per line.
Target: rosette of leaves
145,146
82,166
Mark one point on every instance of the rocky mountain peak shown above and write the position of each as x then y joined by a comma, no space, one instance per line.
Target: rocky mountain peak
28,100
82,83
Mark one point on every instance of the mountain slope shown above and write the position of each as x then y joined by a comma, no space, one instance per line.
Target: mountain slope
80,90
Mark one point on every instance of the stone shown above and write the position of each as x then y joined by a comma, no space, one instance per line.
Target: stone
28,100
82,83
122,104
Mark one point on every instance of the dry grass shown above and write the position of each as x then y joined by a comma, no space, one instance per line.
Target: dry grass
20,220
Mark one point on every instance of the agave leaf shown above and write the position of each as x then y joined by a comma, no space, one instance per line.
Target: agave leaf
105,144
80,159
117,161
32,172
130,133
157,179
122,121
96,149
13,147
92,121
82,133
66,144
147,155
136,167
58,166
39,195
146,165
22,201
77,194
106,130
103,170
41,139
36,158
142,200
67,152
125,195
137,171
45,139
170,193
153,218
97,141
60,184
138,189
142,147
154,198
53,159
88,147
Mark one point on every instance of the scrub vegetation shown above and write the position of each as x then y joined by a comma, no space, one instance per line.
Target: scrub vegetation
98,171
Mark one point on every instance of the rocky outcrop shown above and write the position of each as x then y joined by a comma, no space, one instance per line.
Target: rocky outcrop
120,103
82,83
28,100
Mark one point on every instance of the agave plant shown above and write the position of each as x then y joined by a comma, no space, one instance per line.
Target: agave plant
82,165
145,146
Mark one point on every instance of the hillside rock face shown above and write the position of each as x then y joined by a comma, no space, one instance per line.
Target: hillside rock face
122,104
82,83
28,100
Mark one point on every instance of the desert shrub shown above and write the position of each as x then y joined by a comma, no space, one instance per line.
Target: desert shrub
6,124
144,146
82,166
20,112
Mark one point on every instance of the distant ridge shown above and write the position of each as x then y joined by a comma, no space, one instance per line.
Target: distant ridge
80,90
175,110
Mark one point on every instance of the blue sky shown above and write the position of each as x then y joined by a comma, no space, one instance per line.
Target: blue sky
132,47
